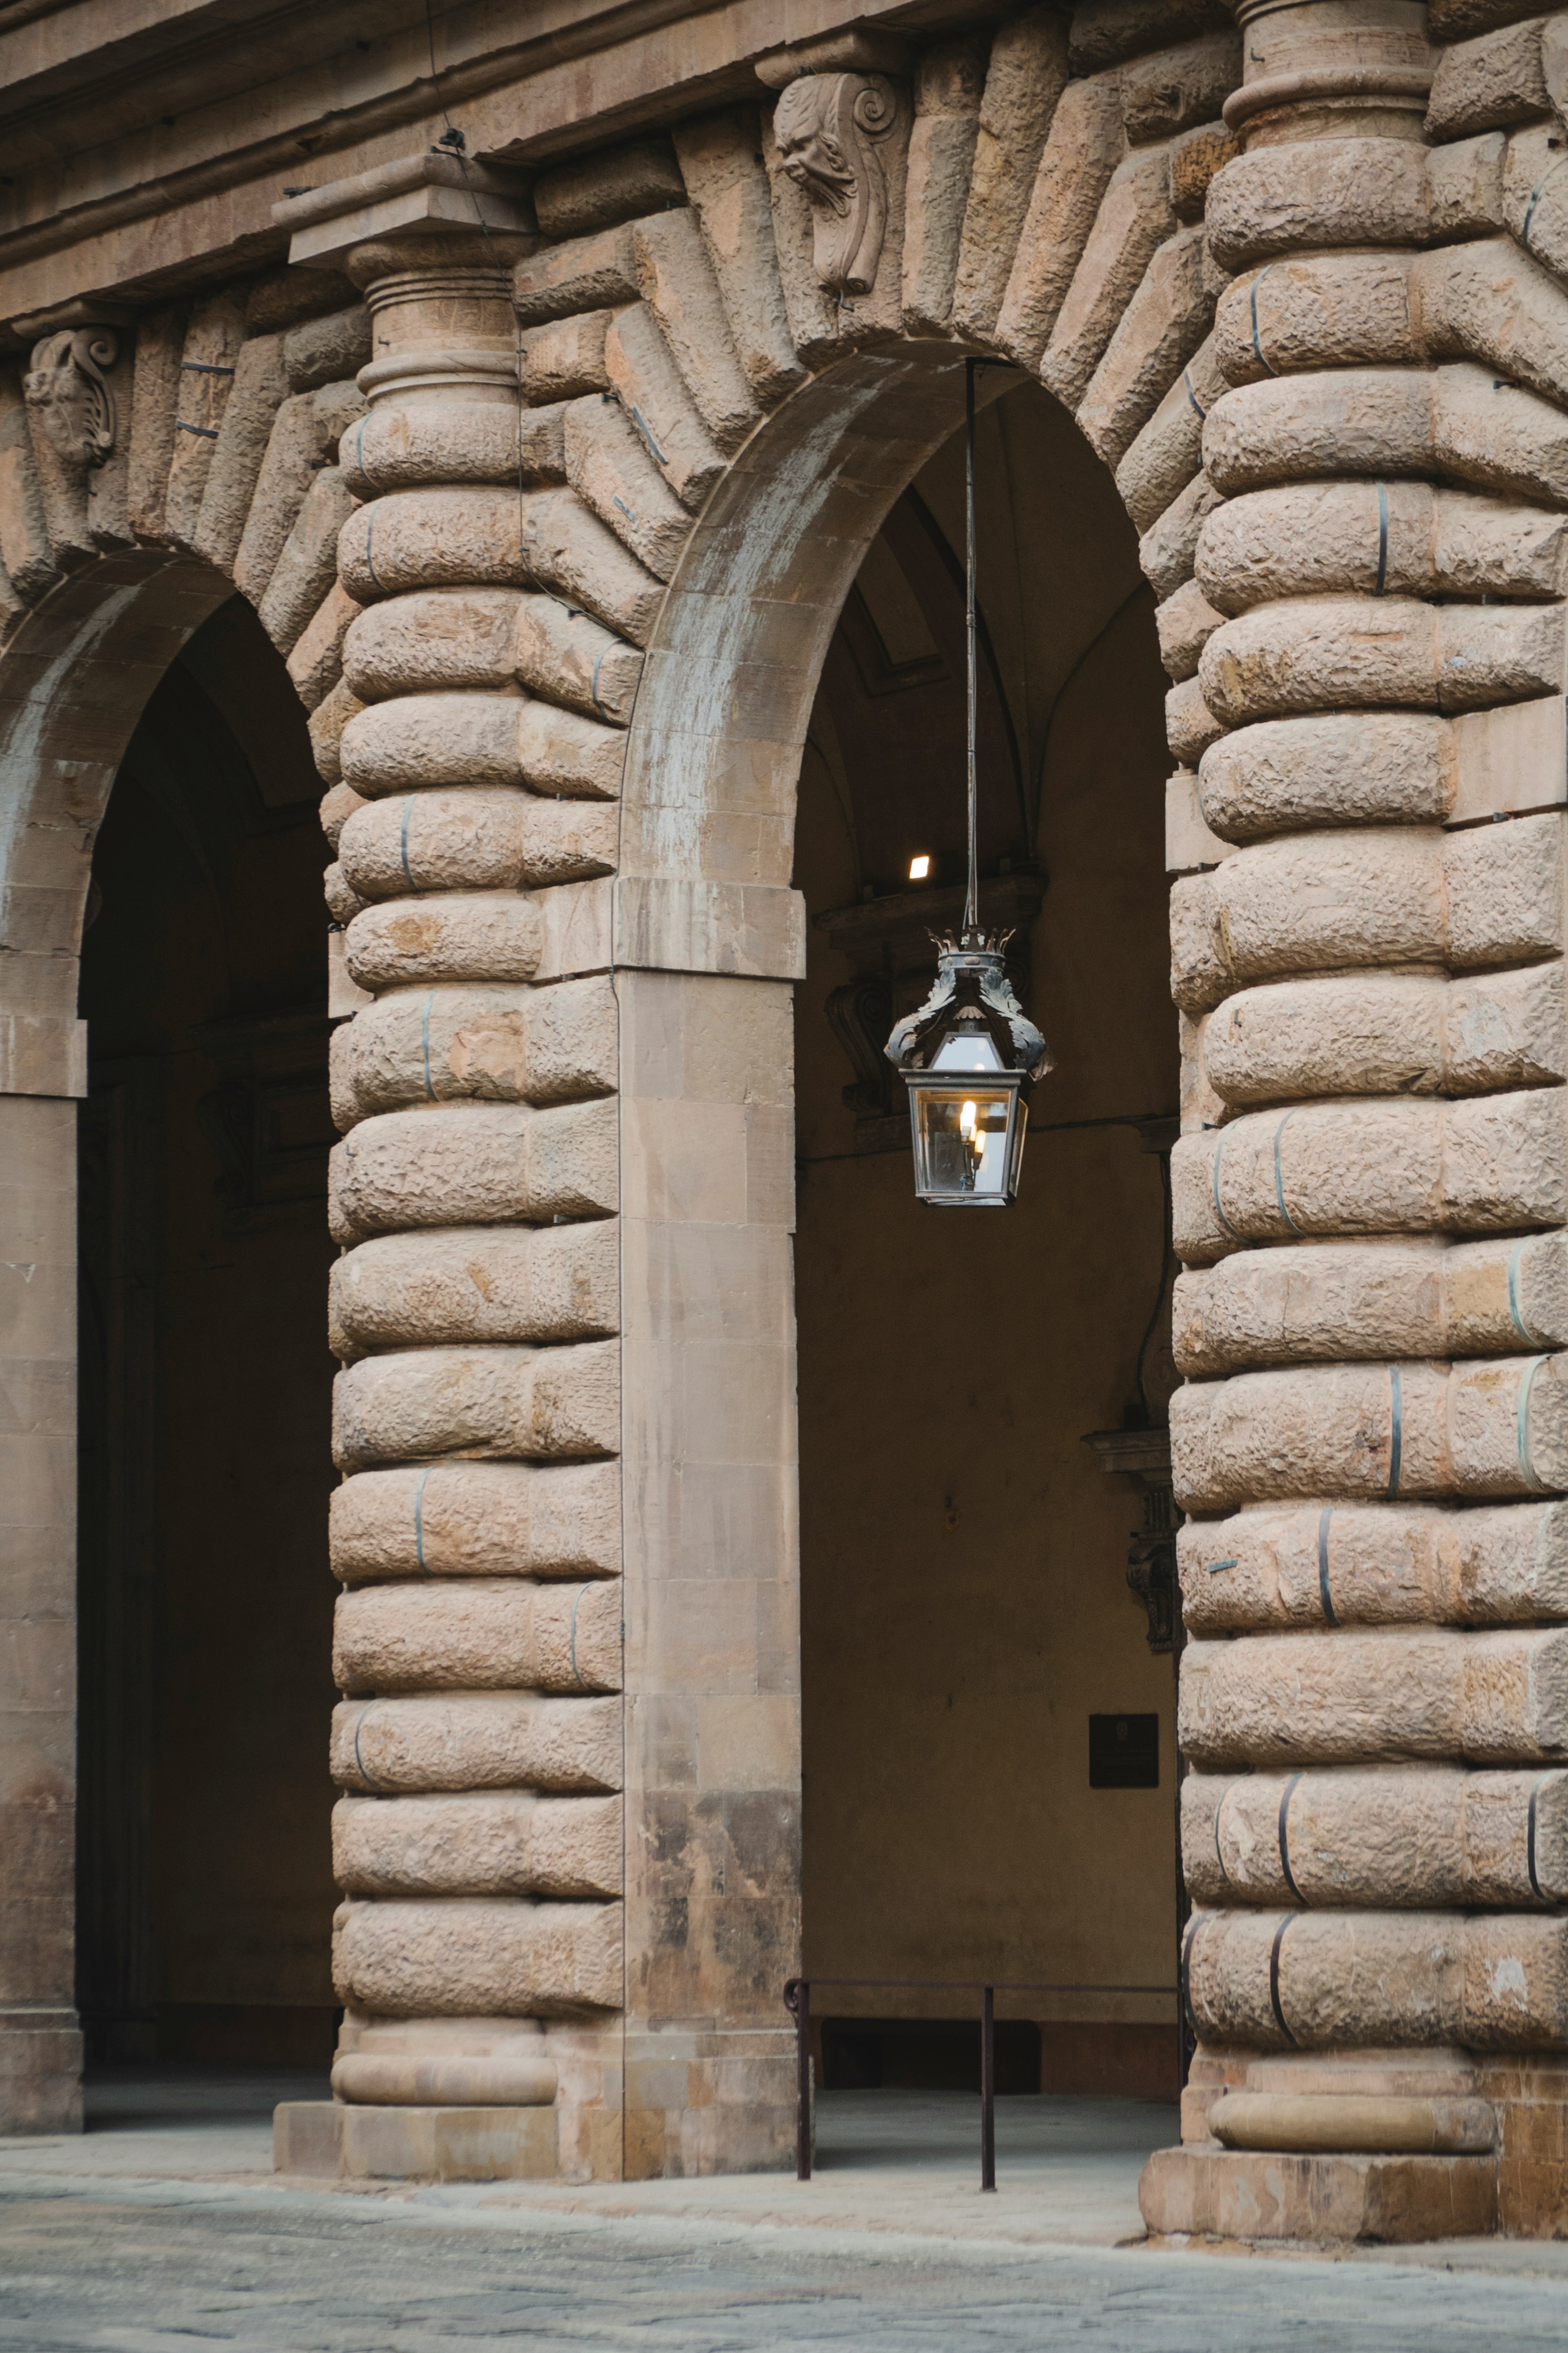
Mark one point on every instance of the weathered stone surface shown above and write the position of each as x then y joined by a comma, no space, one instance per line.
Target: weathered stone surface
479,739
1160,329
1379,1977
428,538
1311,653
444,935
1190,725
505,1843
306,571
160,347
568,550
327,350
491,1633
1375,1563
480,1282
1414,1835
722,166
1175,87
1492,1698
949,82
315,661
501,1043
1334,768
337,2139
1168,452
478,1163
1400,539
478,1519
677,280
487,1741
1168,549
472,839
645,378
609,466
329,719
1025,79
1230,2194
1086,143
1496,78
565,358
1369,895
395,448
588,273
1105,32
214,340
258,391
596,191
1401,1167
1386,1033
1186,621
1481,1430
1325,1301
515,1959
1279,199
295,449
1134,219
517,1404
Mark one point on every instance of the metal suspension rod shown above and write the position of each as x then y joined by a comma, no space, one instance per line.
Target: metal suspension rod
971,904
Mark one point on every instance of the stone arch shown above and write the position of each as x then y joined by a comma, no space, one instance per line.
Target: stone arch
150,471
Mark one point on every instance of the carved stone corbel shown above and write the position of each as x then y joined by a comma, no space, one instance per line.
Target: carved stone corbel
67,384
828,128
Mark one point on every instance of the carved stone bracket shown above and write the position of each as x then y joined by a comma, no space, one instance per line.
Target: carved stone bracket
67,384
1144,1457
828,128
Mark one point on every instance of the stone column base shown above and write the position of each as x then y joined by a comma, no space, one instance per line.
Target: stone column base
1210,2192
40,2071
1531,2096
377,2144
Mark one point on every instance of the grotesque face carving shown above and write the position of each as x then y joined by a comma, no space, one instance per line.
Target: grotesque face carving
829,127
67,385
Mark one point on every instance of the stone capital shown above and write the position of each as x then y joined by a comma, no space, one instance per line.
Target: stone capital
1321,68
431,209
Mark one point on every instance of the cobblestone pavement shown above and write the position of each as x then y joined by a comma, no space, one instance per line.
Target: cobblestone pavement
161,2230
131,2267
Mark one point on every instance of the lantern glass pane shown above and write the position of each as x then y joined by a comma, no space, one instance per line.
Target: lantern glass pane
967,1051
966,1142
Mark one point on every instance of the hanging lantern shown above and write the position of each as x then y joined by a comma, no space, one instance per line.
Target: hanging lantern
969,1056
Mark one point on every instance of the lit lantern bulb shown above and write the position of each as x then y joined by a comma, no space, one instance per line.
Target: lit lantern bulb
919,868
966,1118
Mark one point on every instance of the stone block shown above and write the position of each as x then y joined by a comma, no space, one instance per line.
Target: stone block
565,358
1201,2192
1487,1429
1416,1835
503,1043
507,1957
1133,221
461,1285
727,184
596,191
677,280
1025,79
459,838
40,2070
480,1634
1085,145
317,2137
516,1403
495,1842
448,935
1494,1696
478,1519
611,469
478,1163
394,1747
1375,1563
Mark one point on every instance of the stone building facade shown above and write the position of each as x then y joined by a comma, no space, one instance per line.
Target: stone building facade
546,432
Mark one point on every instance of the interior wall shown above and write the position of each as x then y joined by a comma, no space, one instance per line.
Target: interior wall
204,1884
965,1599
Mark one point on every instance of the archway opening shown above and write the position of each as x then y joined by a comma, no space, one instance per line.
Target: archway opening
205,1891
988,1736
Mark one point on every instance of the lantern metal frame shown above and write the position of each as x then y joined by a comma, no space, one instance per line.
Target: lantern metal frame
969,1051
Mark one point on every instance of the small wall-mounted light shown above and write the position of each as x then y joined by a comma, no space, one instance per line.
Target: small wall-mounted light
969,1057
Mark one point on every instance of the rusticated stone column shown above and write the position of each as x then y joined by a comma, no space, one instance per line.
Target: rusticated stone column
1366,629
475,1308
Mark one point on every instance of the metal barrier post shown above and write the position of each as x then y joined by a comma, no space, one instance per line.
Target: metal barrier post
797,1998
988,2087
